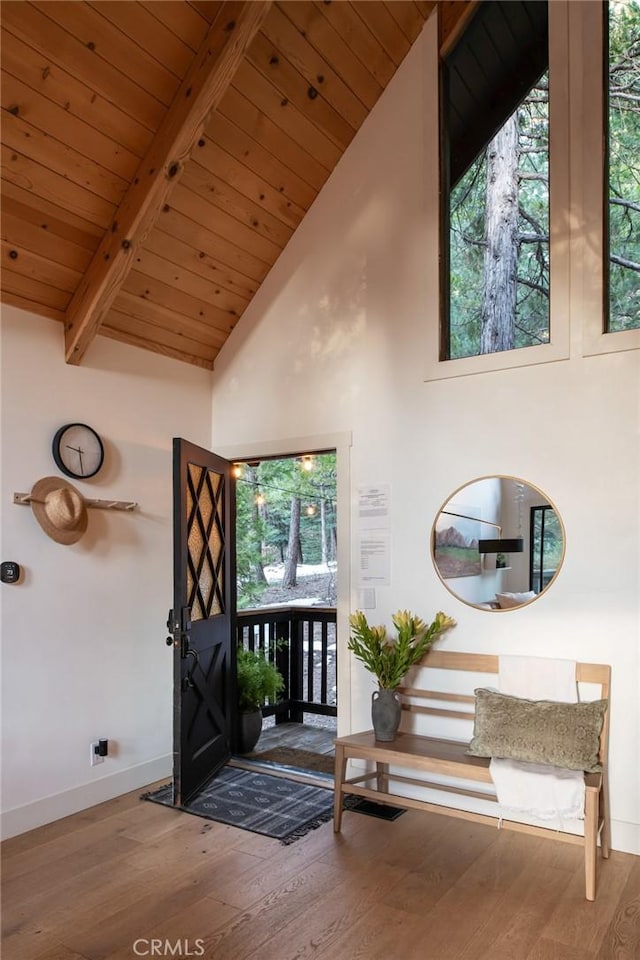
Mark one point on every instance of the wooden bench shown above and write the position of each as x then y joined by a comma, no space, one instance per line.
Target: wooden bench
447,757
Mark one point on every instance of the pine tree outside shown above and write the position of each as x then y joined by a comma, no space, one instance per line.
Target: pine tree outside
286,531
499,238
624,165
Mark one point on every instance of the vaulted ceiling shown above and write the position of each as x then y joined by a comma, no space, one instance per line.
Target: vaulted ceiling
157,156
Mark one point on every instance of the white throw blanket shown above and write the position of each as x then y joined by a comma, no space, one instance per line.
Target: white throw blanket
535,789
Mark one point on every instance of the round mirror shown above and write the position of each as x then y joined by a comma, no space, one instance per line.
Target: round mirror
497,543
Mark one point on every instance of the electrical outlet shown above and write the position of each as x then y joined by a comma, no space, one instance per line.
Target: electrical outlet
94,758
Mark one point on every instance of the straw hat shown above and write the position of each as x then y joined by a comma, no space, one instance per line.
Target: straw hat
59,509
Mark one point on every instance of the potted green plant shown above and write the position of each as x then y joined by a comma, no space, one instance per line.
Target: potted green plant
390,659
258,680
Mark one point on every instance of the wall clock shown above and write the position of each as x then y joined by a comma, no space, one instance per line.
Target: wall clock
77,450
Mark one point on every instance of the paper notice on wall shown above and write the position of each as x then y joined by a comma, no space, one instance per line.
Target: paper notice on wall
374,566
374,507
374,536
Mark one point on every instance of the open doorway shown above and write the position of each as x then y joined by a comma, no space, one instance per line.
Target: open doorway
286,549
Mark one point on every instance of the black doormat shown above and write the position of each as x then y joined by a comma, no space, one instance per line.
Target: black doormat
271,806
293,757
384,811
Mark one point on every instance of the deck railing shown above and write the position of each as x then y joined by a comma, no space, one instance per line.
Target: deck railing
301,641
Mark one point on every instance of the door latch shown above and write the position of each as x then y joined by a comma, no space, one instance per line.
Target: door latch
187,681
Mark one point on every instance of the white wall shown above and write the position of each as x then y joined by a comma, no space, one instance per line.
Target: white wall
83,653
335,340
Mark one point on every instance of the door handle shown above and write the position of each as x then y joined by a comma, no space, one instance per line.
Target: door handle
188,681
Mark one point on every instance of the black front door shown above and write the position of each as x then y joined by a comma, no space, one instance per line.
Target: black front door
202,617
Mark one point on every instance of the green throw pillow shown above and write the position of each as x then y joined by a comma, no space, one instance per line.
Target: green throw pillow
540,731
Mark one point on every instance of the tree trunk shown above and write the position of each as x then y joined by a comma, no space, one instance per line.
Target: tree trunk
324,546
291,562
501,252
257,570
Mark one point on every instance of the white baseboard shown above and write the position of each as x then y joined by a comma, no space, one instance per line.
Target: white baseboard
625,837
46,810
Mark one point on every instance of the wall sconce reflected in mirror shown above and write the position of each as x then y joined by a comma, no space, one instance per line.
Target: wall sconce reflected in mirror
503,545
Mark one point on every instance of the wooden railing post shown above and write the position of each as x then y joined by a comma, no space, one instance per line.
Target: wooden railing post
297,668
283,662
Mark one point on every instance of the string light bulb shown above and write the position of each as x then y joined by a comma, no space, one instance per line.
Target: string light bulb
260,499
237,471
311,510
307,464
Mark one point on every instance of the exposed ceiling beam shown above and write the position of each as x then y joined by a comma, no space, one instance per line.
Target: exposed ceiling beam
210,74
452,28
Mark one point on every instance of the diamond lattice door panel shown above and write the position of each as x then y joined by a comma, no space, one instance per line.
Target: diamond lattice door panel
202,617
206,542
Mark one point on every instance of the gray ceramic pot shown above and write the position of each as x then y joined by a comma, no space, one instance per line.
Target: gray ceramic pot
250,730
385,713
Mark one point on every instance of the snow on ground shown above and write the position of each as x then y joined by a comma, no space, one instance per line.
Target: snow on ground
274,571
315,586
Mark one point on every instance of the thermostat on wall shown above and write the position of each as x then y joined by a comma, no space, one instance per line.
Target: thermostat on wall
9,571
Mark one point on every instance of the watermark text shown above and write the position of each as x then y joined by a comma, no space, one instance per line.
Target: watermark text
181,949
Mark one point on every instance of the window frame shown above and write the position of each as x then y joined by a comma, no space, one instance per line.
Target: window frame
558,347
591,45
543,510
589,174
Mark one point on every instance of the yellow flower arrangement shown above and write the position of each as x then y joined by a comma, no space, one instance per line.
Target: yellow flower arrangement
390,659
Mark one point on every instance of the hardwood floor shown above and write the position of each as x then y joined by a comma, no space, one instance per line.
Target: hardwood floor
102,884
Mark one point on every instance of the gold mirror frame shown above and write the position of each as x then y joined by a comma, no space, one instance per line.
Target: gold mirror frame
506,502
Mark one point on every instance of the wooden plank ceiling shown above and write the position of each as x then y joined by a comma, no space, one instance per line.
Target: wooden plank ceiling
157,156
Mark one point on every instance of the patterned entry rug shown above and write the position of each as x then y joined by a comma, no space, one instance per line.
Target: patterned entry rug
272,806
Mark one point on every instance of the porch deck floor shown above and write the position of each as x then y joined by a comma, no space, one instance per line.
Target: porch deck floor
306,746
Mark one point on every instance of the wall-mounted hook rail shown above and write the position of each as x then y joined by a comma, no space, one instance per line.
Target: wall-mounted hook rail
25,500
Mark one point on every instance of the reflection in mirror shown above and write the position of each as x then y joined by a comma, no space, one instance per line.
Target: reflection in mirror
497,543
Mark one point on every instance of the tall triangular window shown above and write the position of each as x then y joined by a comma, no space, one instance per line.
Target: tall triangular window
495,182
